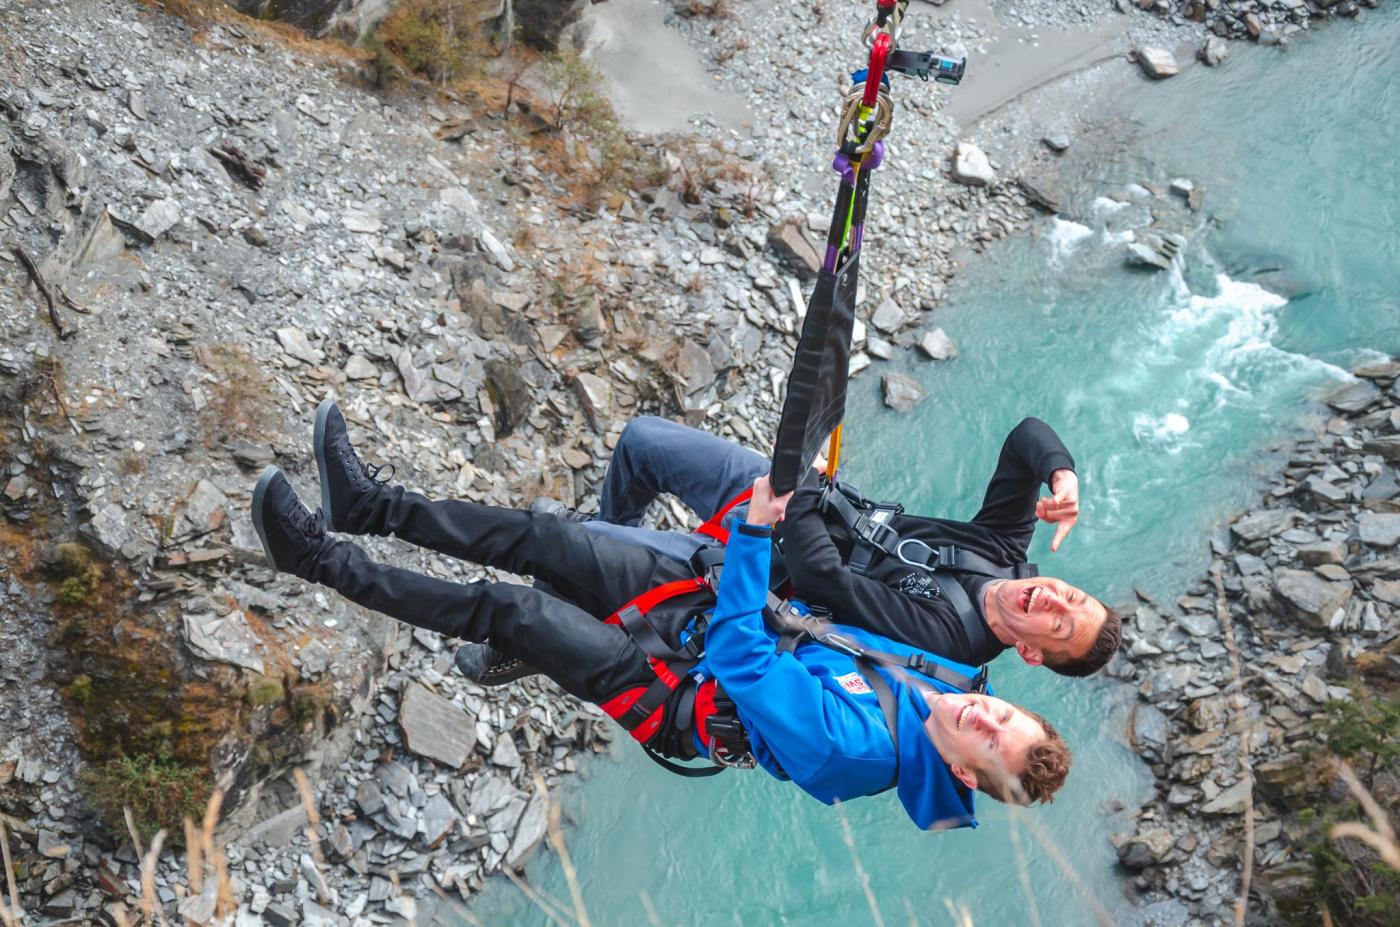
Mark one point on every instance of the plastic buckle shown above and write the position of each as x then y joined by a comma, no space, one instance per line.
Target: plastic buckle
979,682
872,528
916,662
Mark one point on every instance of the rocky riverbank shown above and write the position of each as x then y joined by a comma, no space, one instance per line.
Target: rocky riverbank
230,226
1307,583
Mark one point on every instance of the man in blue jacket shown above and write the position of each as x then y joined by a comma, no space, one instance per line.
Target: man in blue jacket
811,714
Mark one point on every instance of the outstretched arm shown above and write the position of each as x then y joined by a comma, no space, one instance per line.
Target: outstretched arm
786,703
1032,456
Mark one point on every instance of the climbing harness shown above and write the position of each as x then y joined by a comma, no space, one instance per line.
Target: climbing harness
661,716
815,402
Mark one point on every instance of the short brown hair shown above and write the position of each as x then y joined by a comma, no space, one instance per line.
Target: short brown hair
1047,766
1105,646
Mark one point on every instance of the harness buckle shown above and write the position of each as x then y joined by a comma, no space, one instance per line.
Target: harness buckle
930,554
874,528
979,682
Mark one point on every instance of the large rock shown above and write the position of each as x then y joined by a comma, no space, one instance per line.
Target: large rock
595,395
1379,529
1146,848
1157,63
1149,732
1388,446
1214,51
1230,801
901,393
937,345
1354,397
510,394
971,167
1264,524
1139,254
887,317
1309,598
435,728
788,240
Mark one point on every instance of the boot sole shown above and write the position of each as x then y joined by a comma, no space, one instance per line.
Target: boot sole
259,491
318,443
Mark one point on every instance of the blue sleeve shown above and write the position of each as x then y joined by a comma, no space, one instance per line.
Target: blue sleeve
786,703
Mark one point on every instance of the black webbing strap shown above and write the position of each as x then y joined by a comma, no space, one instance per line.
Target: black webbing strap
653,698
647,638
972,624
690,772
888,707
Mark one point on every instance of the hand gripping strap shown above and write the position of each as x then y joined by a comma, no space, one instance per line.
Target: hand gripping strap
714,527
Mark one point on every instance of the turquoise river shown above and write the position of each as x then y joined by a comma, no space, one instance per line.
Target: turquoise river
1169,387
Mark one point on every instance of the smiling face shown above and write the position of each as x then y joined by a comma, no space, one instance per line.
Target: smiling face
1043,617
981,735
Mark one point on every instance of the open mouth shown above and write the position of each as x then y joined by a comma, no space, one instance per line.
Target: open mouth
962,715
1029,598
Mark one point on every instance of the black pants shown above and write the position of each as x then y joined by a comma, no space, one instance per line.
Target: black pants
565,639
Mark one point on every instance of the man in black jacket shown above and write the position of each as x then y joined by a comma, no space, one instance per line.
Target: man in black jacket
1047,621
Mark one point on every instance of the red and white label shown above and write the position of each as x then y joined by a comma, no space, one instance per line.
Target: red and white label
855,684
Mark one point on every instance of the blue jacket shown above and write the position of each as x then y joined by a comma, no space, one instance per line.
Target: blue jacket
809,714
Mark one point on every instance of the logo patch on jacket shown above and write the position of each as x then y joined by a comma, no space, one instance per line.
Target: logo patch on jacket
855,684
919,584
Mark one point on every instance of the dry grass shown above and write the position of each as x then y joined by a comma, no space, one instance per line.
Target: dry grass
238,393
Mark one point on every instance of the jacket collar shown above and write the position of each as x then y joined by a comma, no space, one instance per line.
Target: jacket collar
932,796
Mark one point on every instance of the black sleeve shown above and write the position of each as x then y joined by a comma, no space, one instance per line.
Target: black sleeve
821,577
1031,453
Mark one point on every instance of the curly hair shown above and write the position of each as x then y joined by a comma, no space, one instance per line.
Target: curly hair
1105,646
1047,765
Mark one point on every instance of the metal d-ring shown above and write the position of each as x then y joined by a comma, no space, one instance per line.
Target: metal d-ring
899,551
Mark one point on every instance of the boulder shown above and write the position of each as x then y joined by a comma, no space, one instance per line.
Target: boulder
901,392
937,345
1139,254
788,240
1379,529
1149,732
971,167
1308,598
1388,446
1214,51
1265,523
1230,801
434,728
1157,63
887,317
1354,397
1146,848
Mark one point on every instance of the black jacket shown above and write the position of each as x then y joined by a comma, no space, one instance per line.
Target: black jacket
899,601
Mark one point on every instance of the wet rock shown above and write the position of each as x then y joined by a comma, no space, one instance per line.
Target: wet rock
901,392
1057,142
1146,848
1157,63
1214,51
1310,599
435,728
971,167
1354,397
1264,524
1149,732
936,345
1139,254
1039,192
887,317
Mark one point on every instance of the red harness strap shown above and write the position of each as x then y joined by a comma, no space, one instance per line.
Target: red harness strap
715,526
640,709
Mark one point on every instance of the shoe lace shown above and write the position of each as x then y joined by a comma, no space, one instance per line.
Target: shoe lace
312,525
373,473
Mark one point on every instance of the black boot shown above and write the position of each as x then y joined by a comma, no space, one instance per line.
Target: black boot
292,538
349,488
487,666
547,506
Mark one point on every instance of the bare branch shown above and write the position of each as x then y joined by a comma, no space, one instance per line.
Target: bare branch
860,870
62,327
1238,701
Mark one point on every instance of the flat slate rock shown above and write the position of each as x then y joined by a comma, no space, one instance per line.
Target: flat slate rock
435,728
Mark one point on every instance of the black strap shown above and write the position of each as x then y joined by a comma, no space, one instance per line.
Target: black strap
690,772
641,631
888,707
870,526
653,698
972,624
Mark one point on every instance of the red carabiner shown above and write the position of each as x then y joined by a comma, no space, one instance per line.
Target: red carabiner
875,73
